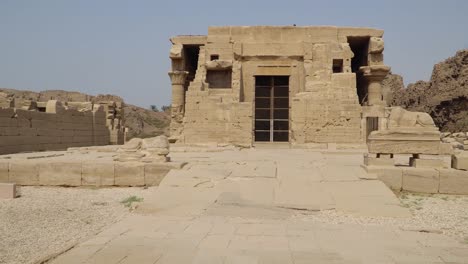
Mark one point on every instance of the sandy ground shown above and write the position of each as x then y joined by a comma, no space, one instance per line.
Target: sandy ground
432,213
45,220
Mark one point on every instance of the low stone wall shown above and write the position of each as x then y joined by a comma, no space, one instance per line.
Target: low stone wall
422,180
84,173
56,129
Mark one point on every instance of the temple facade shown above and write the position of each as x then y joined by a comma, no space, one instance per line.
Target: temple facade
245,85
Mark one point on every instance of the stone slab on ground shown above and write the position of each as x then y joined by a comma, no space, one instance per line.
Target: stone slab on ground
427,163
97,173
24,172
391,176
204,214
7,190
60,173
453,181
420,180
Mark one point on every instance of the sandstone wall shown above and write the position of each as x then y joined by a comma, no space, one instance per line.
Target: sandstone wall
324,104
25,131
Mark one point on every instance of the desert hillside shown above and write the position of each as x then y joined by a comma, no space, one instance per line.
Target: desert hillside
140,121
444,96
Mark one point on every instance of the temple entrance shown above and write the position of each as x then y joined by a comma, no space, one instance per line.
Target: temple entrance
271,109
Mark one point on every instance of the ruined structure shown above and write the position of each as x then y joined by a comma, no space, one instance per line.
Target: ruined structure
242,85
38,126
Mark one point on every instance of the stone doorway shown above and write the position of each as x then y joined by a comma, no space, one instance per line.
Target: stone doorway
271,109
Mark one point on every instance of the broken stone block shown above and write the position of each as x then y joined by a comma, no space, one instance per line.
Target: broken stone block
422,180
60,173
7,190
24,172
453,181
129,174
460,161
376,45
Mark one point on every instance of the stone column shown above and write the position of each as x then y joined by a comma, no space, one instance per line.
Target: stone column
178,89
178,103
374,76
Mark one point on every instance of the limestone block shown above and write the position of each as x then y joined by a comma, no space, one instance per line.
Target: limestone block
446,149
460,161
60,173
155,173
404,146
4,172
391,176
97,173
129,174
369,161
24,172
423,180
426,163
7,190
453,181
446,160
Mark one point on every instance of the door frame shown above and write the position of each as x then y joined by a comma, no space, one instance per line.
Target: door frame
272,109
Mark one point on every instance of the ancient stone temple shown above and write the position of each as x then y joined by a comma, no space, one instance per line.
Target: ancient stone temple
243,85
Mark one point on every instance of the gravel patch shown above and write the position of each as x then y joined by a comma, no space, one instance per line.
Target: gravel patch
48,220
437,213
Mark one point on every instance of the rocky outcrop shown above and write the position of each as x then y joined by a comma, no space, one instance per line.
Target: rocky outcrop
141,122
444,97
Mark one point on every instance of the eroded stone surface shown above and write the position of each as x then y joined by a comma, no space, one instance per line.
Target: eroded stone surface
205,214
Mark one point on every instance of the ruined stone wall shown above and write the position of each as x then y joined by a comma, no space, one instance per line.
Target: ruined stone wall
56,129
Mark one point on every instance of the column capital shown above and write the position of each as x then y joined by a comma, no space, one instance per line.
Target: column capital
178,77
374,73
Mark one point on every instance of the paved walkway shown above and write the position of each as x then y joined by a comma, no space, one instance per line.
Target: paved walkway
251,206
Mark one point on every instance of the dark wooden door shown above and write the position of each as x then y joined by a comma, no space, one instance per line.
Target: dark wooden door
272,108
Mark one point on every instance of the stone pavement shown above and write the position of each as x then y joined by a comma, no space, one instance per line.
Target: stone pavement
252,206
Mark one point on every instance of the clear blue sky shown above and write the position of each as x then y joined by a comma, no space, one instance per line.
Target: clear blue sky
121,46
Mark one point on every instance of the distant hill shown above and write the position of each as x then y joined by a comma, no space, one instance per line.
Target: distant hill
140,121
444,97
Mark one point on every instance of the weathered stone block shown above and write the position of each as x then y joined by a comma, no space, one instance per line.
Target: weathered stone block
24,172
391,176
155,173
60,173
420,180
97,174
453,181
460,161
427,163
129,174
7,190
